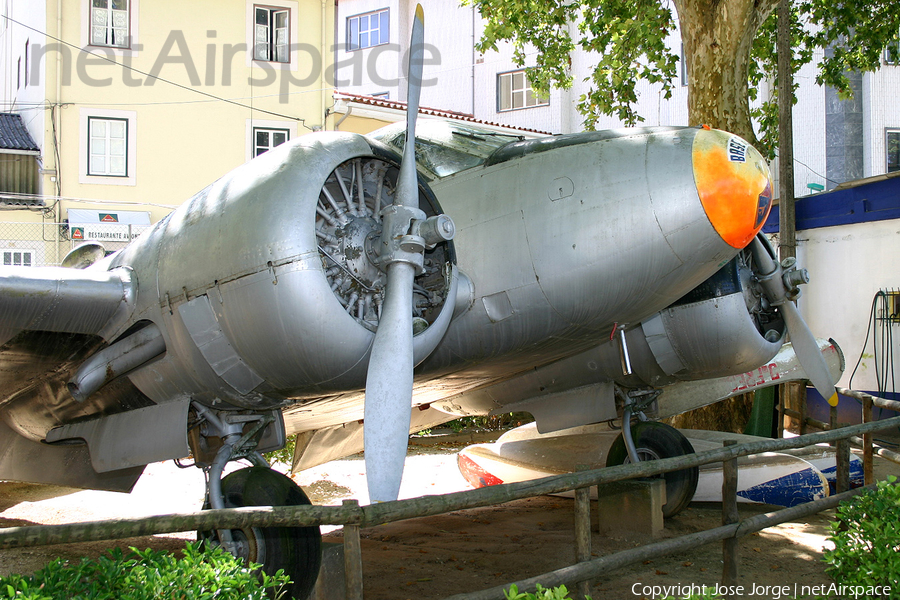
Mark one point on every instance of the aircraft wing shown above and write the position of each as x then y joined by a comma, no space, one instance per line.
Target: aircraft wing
51,319
61,300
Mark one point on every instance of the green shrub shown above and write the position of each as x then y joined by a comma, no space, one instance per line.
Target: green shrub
283,455
866,537
210,573
558,593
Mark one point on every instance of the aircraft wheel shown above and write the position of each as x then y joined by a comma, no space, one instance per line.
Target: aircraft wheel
654,441
297,550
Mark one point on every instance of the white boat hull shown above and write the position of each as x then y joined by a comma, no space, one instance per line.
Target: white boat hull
782,479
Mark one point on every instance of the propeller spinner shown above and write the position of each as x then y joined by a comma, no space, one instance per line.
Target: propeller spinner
389,379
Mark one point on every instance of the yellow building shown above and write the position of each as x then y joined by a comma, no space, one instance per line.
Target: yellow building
137,105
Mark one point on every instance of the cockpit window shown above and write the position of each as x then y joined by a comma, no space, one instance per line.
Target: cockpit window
444,148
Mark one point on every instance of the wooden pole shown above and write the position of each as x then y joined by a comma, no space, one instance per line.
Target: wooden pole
787,235
729,515
353,575
843,466
799,392
884,453
583,530
779,432
876,401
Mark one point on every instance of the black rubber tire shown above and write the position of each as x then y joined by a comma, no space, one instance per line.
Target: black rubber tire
297,550
659,440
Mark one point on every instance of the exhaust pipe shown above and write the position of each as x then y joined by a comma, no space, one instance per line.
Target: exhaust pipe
121,358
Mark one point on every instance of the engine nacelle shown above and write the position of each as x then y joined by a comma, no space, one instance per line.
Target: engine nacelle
266,285
722,327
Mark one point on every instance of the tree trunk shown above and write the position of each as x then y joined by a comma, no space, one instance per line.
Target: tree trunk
717,36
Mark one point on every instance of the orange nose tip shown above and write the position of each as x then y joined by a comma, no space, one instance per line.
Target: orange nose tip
733,183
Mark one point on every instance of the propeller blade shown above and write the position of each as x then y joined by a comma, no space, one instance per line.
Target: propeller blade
389,379
389,388
807,351
802,339
407,191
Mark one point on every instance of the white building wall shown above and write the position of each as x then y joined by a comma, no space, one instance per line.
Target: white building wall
808,130
370,70
379,69
488,67
22,88
847,265
449,27
881,111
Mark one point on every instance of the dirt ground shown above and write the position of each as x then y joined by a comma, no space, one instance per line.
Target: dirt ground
459,552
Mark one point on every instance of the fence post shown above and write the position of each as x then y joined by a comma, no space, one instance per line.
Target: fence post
729,515
353,580
800,395
583,529
782,399
843,466
868,465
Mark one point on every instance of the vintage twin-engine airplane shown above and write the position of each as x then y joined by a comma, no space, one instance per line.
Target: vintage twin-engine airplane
320,289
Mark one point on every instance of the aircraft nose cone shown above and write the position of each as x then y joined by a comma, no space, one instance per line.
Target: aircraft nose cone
733,183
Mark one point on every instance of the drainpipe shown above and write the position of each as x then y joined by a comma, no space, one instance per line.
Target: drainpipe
57,115
337,126
323,53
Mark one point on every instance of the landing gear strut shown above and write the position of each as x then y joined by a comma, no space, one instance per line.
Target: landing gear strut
651,440
296,550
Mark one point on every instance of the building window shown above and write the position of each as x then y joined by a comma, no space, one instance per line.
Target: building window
108,147
370,29
892,53
265,138
271,34
109,23
893,150
515,92
18,258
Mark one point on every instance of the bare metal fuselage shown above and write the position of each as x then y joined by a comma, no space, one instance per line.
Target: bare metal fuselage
558,242
546,277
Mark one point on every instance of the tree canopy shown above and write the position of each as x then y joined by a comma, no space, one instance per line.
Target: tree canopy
729,48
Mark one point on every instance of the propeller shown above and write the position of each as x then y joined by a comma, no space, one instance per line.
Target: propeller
389,379
781,284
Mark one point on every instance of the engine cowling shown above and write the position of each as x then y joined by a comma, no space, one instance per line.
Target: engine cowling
266,284
722,327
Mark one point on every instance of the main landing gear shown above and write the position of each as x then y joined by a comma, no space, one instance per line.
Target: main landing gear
218,437
651,440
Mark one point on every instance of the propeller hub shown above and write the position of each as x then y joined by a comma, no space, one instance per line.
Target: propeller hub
355,209
356,247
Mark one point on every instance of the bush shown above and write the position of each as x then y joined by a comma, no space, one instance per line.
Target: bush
558,593
866,537
283,455
147,575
